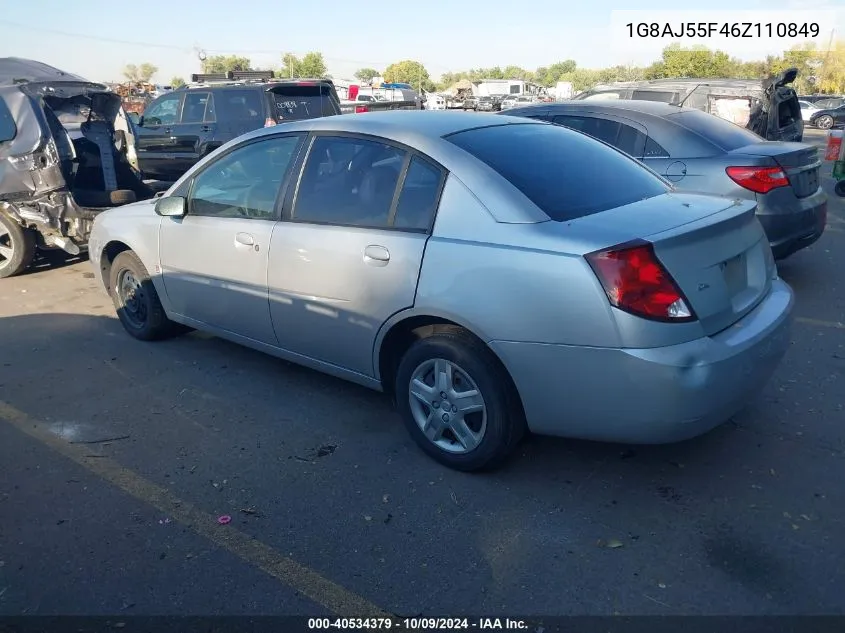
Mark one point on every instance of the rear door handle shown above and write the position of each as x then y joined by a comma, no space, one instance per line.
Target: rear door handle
244,239
376,255
205,128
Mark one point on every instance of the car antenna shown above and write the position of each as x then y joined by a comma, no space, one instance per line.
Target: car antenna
689,94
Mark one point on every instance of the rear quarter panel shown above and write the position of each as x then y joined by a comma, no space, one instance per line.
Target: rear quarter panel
509,282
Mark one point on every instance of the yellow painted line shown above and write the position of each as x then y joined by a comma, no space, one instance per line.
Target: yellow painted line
831,324
306,581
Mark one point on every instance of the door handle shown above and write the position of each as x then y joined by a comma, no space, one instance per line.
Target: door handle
168,130
376,255
244,239
205,128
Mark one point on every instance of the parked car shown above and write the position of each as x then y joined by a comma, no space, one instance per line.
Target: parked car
701,152
183,125
488,104
827,119
807,110
470,103
514,101
488,290
65,154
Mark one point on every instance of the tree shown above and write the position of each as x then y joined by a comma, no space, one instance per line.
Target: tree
177,82
409,72
366,75
139,74
311,65
225,63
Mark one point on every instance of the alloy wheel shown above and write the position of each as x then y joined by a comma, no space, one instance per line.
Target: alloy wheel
7,247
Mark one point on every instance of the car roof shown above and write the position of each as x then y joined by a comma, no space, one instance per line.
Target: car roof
264,85
18,70
654,108
401,123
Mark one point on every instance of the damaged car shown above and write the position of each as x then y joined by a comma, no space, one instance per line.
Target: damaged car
66,155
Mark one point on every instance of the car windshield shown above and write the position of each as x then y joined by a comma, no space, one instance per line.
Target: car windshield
567,174
722,133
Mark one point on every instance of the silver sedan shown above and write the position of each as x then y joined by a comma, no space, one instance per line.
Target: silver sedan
557,287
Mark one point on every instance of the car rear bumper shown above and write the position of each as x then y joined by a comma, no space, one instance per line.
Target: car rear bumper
650,396
791,231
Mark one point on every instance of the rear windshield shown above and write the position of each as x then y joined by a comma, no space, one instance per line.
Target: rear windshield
722,133
8,130
567,174
293,103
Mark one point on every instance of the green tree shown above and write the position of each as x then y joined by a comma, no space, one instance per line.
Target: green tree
409,72
366,74
516,72
225,63
177,82
311,65
139,74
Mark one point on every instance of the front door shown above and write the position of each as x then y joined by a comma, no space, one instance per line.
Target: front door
193,132
348,255
214,260
154,140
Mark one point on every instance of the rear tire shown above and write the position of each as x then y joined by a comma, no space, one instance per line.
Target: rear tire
824,122
17,247
479,422
136,300
839,188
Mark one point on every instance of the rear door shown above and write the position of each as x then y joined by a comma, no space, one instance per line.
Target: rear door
194,130
348,255
154,140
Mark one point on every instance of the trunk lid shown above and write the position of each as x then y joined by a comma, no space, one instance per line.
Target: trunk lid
800,162
714,248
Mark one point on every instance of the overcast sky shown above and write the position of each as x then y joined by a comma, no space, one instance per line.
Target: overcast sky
97,38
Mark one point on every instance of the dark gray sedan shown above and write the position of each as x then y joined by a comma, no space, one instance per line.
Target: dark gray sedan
696,151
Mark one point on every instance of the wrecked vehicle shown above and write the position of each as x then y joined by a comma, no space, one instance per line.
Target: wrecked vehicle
769,108
66,154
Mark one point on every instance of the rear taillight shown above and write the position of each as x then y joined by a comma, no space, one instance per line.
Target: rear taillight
269,122
363,108
635,281
758,179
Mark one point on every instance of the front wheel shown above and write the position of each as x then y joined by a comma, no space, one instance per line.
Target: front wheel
824,122
457,401
17,247
136,300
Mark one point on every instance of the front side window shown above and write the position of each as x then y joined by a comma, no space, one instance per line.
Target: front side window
165,111
566,174
245,182
349,182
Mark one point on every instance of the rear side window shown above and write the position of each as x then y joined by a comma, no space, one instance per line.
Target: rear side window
238,105
723,134
567,174
655,95
419,195
297,102
623,137
8,129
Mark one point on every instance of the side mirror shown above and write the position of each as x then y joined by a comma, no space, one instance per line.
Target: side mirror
172,207
137,119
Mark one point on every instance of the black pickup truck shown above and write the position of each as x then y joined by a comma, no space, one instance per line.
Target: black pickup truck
181,126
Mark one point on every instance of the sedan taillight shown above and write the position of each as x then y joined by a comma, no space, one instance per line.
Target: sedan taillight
635,281
758,179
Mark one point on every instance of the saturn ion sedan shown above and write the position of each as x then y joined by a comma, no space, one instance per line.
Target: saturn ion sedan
494,275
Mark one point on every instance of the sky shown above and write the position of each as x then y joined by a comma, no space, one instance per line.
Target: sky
97,38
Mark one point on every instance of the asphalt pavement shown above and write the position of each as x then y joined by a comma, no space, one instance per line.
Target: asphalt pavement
119,459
